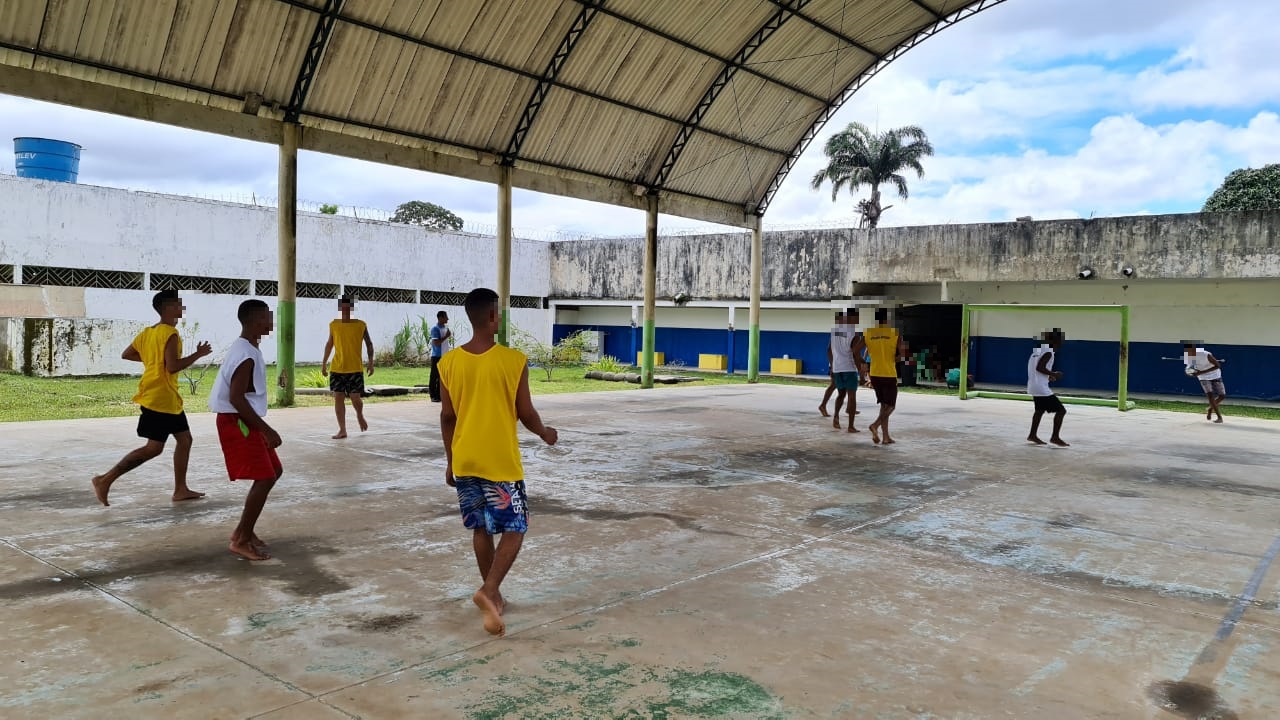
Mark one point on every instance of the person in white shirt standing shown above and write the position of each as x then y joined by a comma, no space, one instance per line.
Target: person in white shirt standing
1203,366
1040,373
239,397
843,351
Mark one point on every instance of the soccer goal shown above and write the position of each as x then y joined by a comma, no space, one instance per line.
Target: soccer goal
1121,402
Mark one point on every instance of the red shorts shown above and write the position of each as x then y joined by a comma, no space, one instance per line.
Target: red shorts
246,451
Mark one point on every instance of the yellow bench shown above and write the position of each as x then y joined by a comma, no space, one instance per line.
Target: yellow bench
713,362
659,358
784,366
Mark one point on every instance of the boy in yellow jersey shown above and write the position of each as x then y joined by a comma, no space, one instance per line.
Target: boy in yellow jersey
885,346
484,389
346,379
159,349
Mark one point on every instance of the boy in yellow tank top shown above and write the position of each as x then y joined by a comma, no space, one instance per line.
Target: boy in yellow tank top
484,389
159,349
885,346
346,379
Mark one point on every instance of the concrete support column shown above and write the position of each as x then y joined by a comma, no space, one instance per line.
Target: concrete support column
17,273
650,288
287,292
757,262
504,252
731,349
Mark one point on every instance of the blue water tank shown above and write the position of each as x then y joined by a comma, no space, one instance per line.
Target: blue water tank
46,159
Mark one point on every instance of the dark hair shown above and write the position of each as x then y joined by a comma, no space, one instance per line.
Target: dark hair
851,312
478,304
162,297
347,299
441,314
882,314
249,308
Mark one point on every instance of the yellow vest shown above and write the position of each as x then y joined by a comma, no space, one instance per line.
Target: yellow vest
483,389
158,388
882,344
347,339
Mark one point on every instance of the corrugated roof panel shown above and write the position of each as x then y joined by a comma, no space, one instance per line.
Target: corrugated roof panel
638,68
719,26
878,25
595,136
62,25
805,56
340,82
138,34
478,103
523,34
711,165
210,39
761,112
264,48
20,21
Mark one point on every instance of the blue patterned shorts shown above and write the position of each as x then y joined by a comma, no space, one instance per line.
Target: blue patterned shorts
495,507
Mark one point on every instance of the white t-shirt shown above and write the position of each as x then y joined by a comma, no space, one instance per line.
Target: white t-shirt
220,395
841,350
1201,362
1038,382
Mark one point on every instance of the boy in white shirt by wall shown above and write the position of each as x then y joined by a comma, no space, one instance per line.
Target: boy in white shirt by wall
1203,366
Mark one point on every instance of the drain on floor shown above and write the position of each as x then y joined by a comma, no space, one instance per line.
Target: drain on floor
1190,700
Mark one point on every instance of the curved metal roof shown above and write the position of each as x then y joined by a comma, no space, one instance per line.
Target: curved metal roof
708,103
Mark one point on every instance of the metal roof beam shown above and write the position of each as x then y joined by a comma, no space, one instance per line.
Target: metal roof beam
707,53
937,16
531,109
831,31
924,33
311,60
528,75
786,10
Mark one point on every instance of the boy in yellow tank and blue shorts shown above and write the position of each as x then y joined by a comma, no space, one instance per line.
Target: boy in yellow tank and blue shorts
159,349
484,390
346,377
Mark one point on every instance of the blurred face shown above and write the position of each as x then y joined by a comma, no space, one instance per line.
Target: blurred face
346,306
1189,349
443,318
172,308
264,321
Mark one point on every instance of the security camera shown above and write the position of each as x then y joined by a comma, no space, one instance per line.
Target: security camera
1128,271
1086,273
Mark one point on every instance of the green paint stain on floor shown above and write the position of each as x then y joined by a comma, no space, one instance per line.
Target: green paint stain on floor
591,686
628,642
258,621
582,625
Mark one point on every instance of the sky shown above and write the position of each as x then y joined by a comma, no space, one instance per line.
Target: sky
1046,108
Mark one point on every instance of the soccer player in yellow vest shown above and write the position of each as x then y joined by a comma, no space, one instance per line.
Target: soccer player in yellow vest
484,389
885,346
159,349
346,377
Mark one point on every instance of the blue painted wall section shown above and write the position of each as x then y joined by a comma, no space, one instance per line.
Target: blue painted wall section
1251,371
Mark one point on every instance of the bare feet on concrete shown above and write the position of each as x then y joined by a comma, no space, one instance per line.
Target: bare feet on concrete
100,489
1034,439
875,435
823,409
186,494
1059,442
491,613
360,419
341,435
247,551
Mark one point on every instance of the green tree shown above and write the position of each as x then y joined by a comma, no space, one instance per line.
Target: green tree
856,156
1247,189
430,215
329,209
548,357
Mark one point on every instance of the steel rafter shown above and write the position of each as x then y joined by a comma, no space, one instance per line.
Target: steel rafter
921,4
311,60
831,31
526,74
920,36
587,14
123,71
787,9
707,53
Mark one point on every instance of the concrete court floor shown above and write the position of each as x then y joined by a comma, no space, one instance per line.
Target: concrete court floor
694,553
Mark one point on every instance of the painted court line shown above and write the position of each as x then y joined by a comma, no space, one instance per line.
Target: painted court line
1210,652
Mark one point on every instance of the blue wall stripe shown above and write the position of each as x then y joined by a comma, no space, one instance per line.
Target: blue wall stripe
1251,371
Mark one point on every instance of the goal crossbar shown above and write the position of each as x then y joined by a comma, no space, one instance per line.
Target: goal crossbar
1122,389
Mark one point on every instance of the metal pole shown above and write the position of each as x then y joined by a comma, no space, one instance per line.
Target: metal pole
650,289
504,252
964,352
1122,395
286,294
757,261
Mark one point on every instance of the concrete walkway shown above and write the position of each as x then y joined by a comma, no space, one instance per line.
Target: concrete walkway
695,552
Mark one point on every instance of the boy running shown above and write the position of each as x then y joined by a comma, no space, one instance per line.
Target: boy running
885,346
484,389
1040,373
249,444
159,349
842,351
347,380
1203,366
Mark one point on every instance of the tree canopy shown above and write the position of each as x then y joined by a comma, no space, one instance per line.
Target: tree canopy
1247,189
856,156
429,215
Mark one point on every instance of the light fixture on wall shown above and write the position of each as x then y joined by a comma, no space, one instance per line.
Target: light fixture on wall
1128,271
1086,273
681,299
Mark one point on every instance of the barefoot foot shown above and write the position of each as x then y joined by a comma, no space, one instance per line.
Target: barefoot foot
1059,442
363,425
492,614
887,440
1218,420
1035,440
258,544
100,489
836,423
823,409
853,429
186,494
341,435
247,551
875,436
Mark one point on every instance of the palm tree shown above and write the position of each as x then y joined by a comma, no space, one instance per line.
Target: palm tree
856,156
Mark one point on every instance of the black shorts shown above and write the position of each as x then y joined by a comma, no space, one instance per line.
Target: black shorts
349,383
1049,404
159,426
886,390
